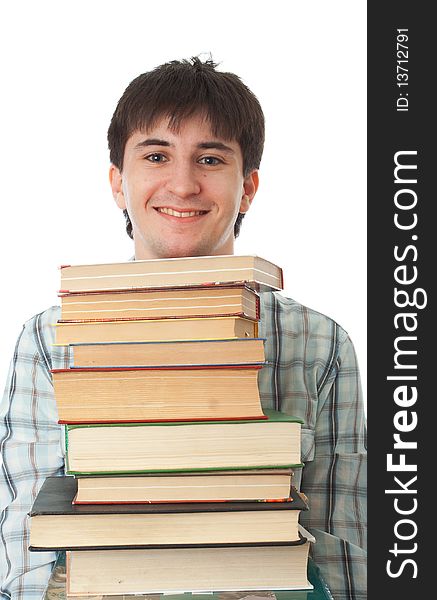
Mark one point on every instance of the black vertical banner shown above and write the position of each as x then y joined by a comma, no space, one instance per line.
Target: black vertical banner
402,245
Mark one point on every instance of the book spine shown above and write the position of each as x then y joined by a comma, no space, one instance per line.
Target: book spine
281,273
258,309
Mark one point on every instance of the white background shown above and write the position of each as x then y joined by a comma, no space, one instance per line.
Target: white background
64,67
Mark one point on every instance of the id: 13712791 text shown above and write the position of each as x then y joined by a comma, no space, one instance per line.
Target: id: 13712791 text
402,70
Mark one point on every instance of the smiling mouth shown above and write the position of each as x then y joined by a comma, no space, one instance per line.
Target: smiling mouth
176,213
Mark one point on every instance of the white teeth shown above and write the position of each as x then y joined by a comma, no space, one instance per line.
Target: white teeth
175,213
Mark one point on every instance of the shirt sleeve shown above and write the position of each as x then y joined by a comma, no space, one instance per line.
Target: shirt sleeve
30,445
335,480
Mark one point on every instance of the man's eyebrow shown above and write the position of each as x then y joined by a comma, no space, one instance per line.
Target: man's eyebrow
215,145
151,142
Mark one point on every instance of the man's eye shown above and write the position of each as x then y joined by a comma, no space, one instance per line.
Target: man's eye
156,157
210,160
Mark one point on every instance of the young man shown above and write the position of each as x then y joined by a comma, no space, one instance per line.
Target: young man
185,147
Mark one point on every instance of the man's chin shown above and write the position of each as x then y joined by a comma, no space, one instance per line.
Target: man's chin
178,248
184,252
173,251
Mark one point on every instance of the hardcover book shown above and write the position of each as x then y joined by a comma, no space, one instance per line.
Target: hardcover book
254,271
215,301
56,589
192,569
181,446
152,394
155,330
250,485
157,354
57,523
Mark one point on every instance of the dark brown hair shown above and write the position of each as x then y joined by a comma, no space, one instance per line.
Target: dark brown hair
180,89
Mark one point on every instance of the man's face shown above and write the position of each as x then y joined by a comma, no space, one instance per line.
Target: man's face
183,190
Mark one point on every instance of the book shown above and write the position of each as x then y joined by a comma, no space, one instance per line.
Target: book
188,569
57,523
56,589
158,354
181,446
214,301
155,330
149,394
256,272
251,485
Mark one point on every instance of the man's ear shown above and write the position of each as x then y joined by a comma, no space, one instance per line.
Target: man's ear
115,180
250,186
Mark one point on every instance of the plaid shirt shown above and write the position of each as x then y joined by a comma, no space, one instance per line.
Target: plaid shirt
311,372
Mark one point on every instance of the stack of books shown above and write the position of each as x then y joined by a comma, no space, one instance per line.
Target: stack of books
180,480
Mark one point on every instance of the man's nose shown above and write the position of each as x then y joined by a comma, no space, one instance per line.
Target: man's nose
183,181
